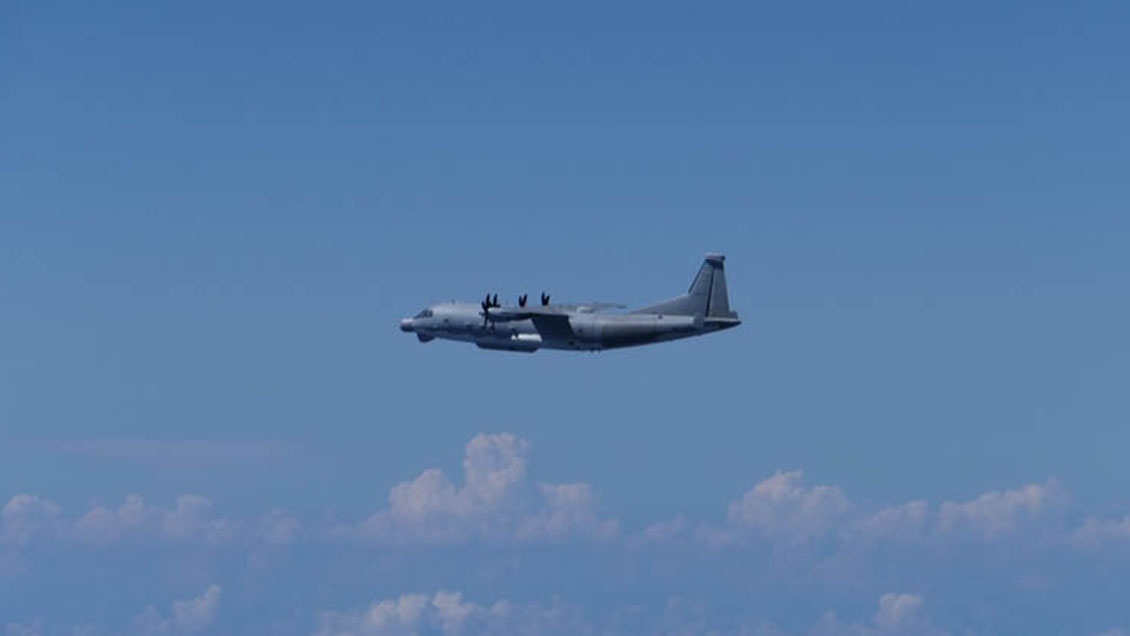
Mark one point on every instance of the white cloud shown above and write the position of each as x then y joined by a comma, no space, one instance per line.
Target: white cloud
662,532
898,615
784,510
190,521
384,617
192,616
497,502
448,613
997,512
902,523
278,529
569,510
453,612
784,507
897,611
25,518
24,629
1095,531
817,538
391,616
494,466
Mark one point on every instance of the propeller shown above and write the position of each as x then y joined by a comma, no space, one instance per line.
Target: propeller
495,301
486,305
522,300
544,299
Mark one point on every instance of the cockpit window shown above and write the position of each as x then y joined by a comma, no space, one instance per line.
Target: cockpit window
427,313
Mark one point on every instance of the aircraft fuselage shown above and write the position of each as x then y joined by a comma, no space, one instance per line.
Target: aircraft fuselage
703,309
583,331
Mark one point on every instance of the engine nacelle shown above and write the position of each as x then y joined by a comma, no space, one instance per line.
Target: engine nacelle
523,342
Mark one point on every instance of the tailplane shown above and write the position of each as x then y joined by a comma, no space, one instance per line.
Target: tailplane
706,297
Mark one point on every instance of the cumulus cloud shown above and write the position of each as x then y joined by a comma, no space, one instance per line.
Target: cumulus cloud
662,532
192,616
902,523
568,509
1095,532
784,509
278,529
898,615
497,502
448,613
388,616
997,512
25,518
190,521
783,538
196,615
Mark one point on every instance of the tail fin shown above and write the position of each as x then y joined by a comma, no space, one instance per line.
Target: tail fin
707,295
709,288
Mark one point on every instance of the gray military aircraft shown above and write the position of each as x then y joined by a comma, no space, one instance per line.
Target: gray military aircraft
704,309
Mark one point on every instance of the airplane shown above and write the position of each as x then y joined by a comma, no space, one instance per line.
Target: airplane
705,308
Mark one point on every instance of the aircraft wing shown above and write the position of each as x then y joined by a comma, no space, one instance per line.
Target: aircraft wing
553,325
588,308
507,314
552,322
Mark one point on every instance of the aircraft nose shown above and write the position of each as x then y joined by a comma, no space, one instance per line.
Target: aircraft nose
407,326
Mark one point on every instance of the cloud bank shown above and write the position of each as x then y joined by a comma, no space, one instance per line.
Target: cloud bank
449,614
783,557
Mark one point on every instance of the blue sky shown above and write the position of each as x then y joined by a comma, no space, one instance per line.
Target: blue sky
211,218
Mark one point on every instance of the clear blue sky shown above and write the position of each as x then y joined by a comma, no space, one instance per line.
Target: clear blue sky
212,216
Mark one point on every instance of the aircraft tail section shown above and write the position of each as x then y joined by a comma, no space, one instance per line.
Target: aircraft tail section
707,295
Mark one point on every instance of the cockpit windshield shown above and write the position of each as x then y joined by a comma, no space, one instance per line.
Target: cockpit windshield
427,313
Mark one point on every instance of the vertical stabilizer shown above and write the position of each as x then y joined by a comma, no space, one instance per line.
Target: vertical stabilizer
707,295
717,300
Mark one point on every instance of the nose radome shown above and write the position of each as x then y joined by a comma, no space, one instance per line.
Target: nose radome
406,325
